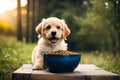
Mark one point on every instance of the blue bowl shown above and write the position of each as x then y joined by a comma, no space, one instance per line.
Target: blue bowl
61,63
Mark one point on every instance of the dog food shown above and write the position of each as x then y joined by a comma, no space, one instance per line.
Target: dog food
62,52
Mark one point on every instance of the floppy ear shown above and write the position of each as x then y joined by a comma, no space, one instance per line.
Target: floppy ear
66,30
39,28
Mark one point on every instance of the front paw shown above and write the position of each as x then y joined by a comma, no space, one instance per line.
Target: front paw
37,67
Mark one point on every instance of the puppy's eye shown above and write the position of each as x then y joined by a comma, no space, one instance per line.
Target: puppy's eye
58,27
48,27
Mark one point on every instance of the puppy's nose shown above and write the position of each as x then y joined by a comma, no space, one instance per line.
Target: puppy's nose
53,33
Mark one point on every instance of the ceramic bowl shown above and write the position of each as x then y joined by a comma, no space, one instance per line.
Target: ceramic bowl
61,63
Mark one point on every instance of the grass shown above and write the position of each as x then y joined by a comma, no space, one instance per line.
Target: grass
104,60
14,54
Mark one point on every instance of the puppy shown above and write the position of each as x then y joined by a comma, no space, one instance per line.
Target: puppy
52,35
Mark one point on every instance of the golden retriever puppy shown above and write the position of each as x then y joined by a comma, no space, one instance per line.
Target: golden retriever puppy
52,35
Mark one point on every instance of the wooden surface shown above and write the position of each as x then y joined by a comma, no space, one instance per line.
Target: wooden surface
82,72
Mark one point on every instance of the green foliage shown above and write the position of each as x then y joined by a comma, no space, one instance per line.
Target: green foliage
97,27
13,55
114,65
95,31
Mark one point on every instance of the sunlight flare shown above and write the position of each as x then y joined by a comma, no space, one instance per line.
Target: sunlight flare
7,5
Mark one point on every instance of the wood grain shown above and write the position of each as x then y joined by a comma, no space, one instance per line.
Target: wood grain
82,72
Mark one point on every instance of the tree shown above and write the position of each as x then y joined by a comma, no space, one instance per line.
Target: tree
115,9
32,20
27,27
19,26
35,15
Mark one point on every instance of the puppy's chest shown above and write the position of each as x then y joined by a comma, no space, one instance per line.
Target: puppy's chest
54,48
49,49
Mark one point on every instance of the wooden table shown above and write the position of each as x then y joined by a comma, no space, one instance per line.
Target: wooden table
82,72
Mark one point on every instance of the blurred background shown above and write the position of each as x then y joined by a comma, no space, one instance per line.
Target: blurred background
94,24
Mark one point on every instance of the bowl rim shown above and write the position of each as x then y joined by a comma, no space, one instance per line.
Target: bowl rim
63,54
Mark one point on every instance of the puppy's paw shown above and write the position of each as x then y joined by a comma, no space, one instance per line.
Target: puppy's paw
37,67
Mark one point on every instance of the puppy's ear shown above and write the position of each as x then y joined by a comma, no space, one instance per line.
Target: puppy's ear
39,28
66,30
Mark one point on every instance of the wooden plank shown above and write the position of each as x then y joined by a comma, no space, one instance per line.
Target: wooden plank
44,75
86,69
91,72
82,72
102,78
23,73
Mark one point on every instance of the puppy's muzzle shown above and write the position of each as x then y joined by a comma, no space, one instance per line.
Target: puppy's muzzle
53,38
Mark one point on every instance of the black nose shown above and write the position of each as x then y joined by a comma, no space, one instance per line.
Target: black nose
53,33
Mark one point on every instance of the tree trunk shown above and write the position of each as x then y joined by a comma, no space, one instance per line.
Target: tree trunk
33,17
35,9
114,45
27,27
119,41
116,12
19,26
29,20
117,25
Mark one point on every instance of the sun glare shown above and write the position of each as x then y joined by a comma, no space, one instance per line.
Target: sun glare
7,5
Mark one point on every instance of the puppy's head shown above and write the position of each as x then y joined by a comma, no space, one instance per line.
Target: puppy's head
53,30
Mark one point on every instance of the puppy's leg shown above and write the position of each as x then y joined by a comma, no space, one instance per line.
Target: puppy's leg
38,61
